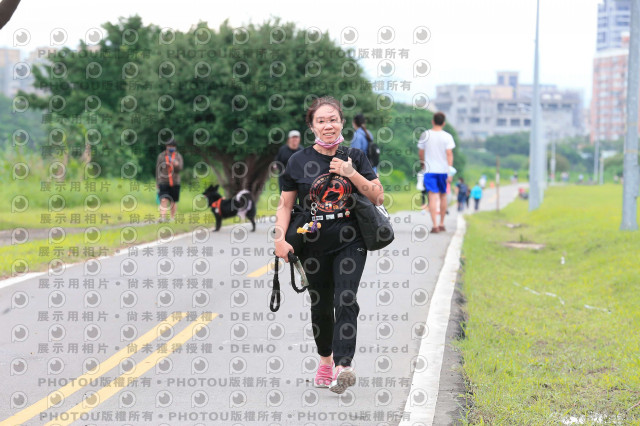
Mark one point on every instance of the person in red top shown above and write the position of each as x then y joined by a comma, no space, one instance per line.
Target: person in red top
168,167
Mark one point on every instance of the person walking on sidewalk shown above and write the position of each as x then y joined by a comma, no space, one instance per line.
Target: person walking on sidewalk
461,189
335,254
168,167
284,154
363,140
435,149
476,194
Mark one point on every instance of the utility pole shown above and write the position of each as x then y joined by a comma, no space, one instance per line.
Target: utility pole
544,162
596,158
552,166
536,151
601,177
630,167
497,184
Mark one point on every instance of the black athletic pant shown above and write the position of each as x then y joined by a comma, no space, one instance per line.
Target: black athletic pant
333,285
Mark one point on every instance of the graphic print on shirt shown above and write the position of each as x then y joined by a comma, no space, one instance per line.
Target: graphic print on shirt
336,195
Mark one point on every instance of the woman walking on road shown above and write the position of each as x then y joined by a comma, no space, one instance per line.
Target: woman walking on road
476,194
335,254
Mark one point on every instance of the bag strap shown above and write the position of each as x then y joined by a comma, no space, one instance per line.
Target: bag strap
274,303
332,175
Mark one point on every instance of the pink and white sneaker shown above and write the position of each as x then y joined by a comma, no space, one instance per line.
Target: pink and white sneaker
324,376
345,377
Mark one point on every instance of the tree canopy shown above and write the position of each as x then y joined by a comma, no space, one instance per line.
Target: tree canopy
503,145
228,96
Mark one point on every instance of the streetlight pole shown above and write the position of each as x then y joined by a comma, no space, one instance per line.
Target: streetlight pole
497,184
630,167
536,151
596,157
553,161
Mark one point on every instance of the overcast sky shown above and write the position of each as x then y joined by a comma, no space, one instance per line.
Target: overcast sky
470,39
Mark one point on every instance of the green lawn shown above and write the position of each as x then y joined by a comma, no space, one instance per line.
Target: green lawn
39,253
73,248
544,339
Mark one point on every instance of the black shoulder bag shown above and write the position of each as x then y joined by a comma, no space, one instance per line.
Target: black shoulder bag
374,221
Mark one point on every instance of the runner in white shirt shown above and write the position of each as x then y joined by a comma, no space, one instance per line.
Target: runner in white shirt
435,148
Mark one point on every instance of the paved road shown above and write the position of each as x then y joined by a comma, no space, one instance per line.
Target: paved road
492,198
185,322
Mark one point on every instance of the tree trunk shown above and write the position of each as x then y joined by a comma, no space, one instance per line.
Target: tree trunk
86,155
65,162
234,179
7,7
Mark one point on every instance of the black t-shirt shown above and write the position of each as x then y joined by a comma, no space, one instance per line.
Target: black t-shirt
283,156
307,172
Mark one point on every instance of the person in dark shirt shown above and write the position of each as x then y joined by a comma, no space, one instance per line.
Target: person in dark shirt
335,254
362,136
168,166
285,152
462,189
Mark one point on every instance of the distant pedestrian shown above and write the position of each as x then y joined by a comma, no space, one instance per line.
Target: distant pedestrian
461,190
483,181
284,153
466,200
168,167
435,149
476,194
363,140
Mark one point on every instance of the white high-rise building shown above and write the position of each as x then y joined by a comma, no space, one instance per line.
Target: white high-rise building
614,18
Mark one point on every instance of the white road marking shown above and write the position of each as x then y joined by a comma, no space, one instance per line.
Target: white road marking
15,280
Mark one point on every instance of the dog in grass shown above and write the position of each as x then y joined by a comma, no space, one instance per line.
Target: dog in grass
242,205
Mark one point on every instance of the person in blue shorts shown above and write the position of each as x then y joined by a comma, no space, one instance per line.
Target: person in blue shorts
435,148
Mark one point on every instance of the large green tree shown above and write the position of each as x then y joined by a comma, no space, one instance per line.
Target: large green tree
513,143
84,89
229,96
24,128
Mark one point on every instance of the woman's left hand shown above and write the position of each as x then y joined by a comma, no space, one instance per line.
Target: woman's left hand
341,167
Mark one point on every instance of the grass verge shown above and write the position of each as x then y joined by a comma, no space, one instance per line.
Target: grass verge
553,333
36,255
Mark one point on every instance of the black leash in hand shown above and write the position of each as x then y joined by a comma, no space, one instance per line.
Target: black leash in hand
294,261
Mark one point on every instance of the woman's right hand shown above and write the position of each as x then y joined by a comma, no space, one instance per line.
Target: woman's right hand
282,250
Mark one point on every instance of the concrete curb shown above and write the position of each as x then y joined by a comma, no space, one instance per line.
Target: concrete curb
425,385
